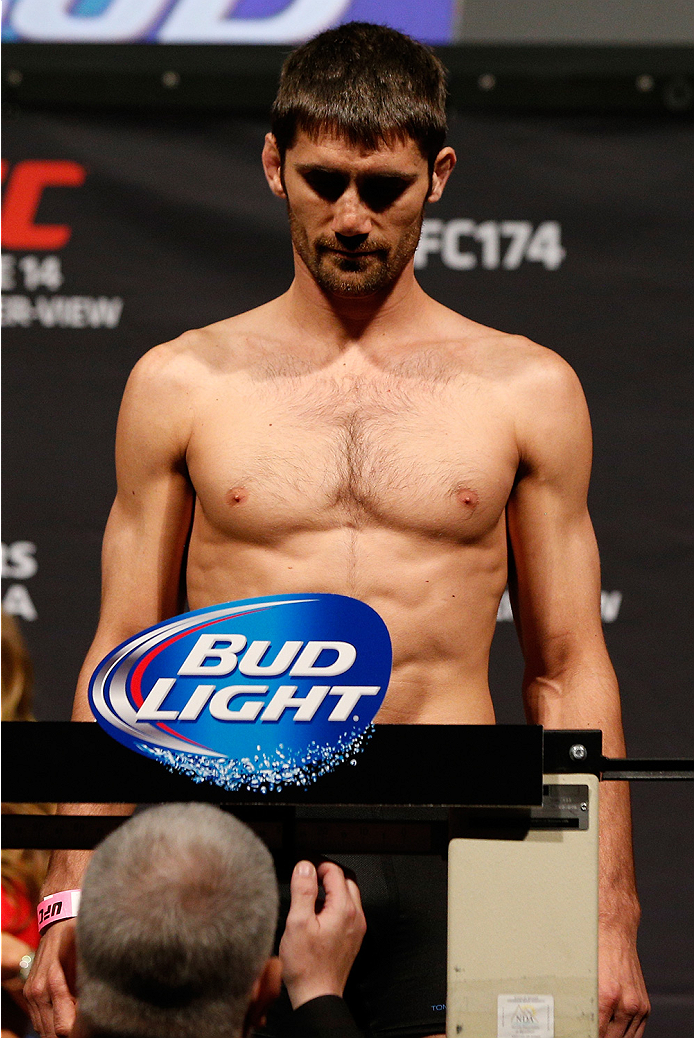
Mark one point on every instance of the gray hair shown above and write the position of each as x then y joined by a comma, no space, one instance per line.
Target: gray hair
177,918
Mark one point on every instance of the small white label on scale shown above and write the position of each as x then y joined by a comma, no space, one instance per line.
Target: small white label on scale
525,1016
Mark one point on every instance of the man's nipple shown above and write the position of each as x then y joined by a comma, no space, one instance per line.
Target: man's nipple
468,498
237,496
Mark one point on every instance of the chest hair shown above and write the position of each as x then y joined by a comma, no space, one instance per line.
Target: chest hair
375,434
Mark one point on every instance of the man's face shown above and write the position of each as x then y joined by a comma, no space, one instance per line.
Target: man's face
355,215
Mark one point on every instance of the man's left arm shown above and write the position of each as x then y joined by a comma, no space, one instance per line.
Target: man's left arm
569,681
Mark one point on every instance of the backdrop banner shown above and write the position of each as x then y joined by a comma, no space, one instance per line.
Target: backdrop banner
121,232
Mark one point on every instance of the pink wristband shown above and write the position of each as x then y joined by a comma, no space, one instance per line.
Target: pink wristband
62,905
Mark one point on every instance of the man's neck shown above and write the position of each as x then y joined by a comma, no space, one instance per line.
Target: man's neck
343,320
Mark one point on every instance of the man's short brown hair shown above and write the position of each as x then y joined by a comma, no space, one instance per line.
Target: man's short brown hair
366,83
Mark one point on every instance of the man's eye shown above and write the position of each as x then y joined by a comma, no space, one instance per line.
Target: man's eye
328,185
380,192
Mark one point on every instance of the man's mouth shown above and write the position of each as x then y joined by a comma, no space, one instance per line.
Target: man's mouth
352,253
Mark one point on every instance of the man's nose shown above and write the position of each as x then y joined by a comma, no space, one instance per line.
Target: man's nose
350,216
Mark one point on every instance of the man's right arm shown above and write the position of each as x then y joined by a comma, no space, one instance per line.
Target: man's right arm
142,554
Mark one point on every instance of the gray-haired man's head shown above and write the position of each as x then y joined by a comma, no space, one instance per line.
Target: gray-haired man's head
176,923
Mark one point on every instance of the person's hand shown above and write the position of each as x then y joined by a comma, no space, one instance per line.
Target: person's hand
318,948
622,996
50,989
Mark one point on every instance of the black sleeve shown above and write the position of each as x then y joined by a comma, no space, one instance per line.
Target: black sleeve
324,1017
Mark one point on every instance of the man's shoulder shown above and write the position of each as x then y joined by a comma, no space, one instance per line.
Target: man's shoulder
506,357
195,355
526,361
540,391
533,379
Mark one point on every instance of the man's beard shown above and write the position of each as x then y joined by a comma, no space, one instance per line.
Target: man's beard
372,267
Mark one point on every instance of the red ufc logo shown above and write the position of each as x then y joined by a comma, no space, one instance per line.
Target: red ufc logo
27,182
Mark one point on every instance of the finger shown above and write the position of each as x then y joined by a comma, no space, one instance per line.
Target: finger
641,1029
63,1015
346,871
355,894
44,1009
39,1003
40,1021
304,891
637,1023
34,1015
624,1024
360,918
55,1006
607,1008
337,897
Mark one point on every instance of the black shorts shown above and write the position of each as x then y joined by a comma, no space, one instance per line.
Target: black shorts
397,986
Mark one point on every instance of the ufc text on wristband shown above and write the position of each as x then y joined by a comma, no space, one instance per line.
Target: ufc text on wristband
62,905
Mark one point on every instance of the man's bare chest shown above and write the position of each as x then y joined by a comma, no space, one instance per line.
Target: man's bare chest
434,456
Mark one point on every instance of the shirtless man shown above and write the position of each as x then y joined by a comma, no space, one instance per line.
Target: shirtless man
355,436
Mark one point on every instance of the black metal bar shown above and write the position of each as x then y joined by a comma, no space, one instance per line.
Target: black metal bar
477,767
48,832
401,764
450,765
282,832
577,751
642,769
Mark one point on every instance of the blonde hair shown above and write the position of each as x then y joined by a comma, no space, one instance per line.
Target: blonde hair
17,673
23,871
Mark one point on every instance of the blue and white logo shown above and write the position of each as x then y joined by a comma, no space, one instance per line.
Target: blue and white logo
215,21
258,695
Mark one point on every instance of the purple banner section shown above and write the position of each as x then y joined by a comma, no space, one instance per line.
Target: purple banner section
248,21
430,22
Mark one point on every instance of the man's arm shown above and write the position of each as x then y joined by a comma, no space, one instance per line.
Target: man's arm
143,548
569,681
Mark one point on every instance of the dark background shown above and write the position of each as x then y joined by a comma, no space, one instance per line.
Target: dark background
174,219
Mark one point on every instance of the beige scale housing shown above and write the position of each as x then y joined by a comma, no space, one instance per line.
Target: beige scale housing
523,918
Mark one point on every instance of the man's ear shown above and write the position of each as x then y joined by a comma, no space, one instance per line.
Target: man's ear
272,164
263,993
443,167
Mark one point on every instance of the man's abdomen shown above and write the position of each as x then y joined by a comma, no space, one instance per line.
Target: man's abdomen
438,601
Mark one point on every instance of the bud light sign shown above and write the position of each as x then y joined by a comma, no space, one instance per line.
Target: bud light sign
256,695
